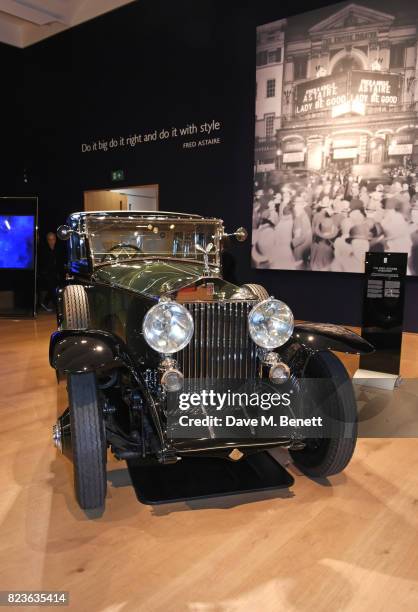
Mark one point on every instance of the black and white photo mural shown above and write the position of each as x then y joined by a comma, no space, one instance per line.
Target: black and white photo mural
336,137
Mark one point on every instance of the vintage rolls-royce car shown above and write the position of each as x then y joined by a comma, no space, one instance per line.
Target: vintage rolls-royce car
144,310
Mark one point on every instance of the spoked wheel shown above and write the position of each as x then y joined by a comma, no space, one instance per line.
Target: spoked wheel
88,441
324,457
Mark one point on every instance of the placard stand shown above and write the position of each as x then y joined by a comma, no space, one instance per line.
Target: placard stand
383,305
378,380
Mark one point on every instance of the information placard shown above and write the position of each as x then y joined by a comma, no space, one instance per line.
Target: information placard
383,306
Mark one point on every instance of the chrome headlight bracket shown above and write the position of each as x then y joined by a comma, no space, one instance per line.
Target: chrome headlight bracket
267,357
171,378
278,370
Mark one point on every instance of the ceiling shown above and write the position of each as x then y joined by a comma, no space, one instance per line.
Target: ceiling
24,22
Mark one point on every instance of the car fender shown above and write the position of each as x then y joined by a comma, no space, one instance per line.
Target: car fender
74,351
325,336
77,351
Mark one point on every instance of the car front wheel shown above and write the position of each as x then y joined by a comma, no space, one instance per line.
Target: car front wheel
76,313
88,441
322,457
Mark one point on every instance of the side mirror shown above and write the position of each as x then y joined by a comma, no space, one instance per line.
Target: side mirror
241,234
64,232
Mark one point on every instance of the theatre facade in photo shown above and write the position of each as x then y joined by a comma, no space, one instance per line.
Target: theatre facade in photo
338,88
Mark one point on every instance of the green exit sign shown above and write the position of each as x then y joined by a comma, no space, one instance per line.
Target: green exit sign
118,175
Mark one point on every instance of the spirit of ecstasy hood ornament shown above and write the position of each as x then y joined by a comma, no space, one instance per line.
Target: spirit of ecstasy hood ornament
205,251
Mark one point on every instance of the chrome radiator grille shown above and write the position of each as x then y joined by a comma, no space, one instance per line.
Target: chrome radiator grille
221,346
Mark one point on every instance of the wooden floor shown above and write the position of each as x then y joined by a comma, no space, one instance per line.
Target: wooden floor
351,544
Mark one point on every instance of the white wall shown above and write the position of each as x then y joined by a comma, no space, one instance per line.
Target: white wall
141,198
263,104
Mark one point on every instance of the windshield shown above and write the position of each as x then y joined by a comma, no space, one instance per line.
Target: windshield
118,239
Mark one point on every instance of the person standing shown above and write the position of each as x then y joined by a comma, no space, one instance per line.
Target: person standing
353,261
302,233
396,230
283,258
322,251
413,257
355,202
264,245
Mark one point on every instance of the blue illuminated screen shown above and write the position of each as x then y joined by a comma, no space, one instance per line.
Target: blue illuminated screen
16,241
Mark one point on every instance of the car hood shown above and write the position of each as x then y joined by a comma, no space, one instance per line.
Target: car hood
152,278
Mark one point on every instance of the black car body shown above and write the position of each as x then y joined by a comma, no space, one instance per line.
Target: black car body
140,280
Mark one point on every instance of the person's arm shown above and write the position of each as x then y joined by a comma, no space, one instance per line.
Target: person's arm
315,223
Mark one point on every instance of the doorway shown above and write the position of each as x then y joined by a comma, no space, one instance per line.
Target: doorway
315,153
139,197
377,151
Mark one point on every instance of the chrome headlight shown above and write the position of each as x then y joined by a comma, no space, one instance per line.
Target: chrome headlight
270,323
168,327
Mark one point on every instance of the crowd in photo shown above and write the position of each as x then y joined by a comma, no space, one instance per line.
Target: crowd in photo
328,221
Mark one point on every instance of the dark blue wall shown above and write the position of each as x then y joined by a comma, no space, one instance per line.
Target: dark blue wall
156,64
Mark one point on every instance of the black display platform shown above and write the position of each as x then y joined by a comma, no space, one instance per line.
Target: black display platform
200,477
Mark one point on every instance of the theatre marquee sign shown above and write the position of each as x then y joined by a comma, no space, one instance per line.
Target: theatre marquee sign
352,91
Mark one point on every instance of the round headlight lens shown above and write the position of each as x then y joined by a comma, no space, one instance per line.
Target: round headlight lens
168,327
270,323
